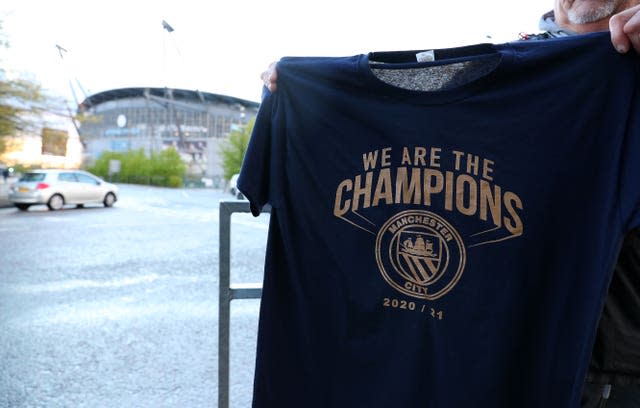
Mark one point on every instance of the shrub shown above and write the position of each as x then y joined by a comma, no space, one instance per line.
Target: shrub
160,169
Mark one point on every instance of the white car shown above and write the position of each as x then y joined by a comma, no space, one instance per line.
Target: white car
58,187
233,188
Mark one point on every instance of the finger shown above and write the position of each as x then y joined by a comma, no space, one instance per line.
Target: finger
271,77
632,29
619,38
635,42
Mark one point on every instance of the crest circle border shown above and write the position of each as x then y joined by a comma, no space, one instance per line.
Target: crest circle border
457,238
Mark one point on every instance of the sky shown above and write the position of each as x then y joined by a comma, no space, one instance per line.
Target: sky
223,46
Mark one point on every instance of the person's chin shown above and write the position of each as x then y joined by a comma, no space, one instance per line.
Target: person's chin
590,11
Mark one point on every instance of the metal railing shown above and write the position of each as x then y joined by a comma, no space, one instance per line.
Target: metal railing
228,292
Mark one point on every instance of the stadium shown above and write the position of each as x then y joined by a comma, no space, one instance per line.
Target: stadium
152,119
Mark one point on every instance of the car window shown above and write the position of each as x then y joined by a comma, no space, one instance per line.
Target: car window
67,177
32,177
83,178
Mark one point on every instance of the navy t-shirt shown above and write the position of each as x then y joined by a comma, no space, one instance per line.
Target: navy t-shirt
448,245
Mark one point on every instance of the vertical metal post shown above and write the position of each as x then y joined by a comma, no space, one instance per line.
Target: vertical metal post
228,292
224,306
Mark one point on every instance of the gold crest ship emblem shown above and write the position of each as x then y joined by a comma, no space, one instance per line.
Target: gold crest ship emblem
416,257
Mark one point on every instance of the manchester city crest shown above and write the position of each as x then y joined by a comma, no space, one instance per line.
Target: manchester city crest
420,254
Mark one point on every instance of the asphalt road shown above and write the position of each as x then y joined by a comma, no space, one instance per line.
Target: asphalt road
117,307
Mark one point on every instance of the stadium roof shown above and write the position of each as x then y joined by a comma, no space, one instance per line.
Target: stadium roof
167,94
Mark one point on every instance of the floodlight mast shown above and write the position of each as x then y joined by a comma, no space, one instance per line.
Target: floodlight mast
61,52
168,92
166,26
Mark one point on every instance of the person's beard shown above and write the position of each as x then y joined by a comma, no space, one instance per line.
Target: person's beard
583,15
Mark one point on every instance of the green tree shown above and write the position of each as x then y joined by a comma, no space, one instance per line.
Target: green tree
101,166
168,167
135,164
22,102
234,149
161,169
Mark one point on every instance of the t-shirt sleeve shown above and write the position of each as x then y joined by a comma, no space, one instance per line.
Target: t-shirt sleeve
256,174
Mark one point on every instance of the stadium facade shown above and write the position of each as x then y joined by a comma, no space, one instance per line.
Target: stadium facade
152,119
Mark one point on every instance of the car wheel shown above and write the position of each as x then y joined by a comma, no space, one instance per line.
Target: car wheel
109,199
79,205
239,196
56,202
22,207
